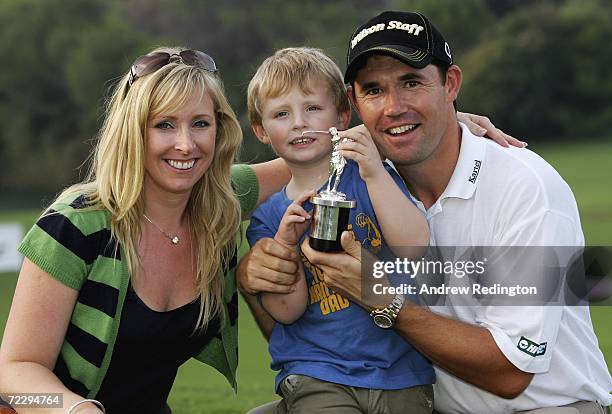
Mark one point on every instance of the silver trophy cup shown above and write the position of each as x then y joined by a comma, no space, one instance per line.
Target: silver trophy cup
331,208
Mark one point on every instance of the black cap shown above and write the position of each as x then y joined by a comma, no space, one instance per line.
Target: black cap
407,36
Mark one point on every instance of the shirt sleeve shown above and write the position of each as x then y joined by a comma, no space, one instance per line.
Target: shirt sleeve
60,244
259,226
526,335
246,187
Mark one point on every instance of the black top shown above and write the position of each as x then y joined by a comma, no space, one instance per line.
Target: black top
150,348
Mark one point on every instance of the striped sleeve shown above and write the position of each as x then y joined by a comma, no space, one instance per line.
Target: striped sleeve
65,244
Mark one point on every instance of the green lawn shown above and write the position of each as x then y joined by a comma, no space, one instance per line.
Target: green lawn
198,389
587,168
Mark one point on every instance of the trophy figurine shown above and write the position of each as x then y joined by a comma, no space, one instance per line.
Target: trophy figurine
331,208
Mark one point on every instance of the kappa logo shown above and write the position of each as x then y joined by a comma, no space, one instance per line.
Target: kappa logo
531,348
413,29
475,171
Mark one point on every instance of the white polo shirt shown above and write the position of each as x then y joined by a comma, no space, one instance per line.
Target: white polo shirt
511,197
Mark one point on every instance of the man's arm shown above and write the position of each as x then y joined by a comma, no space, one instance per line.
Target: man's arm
264,322
450,344
267,267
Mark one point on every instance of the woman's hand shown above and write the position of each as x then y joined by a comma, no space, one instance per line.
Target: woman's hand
483,127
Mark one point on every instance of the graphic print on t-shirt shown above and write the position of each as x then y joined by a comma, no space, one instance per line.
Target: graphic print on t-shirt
373,240
329,300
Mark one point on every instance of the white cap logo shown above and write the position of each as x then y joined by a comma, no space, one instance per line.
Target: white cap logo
447,50
413,29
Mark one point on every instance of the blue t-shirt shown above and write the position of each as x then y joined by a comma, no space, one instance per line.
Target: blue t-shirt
336,340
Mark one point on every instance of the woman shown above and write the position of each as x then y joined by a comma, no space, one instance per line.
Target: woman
125,276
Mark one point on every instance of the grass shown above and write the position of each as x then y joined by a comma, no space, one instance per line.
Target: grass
199,389
587,169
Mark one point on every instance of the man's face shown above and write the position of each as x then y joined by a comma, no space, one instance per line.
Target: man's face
405,109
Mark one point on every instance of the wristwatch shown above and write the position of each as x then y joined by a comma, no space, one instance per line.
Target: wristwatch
385,318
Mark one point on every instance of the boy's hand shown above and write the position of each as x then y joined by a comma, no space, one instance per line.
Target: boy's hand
361,148
295,221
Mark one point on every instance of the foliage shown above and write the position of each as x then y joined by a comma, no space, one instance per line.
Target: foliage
240,34
462,26
60,54
541,71
537,68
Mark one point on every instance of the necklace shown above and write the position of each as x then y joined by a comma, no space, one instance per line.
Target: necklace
173,239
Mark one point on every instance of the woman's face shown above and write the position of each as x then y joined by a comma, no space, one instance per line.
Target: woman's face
180,147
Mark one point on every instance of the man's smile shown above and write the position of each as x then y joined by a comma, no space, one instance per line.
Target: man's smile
401,129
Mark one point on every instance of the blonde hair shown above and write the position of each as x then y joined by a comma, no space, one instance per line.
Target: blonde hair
116,176
290,67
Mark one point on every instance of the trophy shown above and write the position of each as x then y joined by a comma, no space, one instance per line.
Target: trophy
331,208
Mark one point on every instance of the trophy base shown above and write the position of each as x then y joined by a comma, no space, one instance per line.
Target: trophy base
327,227
327,246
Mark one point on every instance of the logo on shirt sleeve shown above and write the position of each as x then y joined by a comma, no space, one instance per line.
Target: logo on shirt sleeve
531,348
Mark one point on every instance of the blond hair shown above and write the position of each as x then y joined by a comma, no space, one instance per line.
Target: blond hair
116,176
290,67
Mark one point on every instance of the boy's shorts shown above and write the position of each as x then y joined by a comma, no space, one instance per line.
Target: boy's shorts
306,395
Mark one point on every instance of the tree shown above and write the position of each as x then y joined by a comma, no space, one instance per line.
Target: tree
541,72
60,52
462,23
239,34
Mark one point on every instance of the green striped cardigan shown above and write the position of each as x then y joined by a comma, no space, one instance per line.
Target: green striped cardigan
87,260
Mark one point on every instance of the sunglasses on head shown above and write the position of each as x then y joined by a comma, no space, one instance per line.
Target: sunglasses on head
148,64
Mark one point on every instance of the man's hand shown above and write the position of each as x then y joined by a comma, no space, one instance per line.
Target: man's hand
482,126
267,267
341,271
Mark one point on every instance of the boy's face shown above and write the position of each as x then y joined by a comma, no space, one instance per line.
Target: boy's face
285,117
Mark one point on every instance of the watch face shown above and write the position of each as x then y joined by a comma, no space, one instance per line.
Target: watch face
383,321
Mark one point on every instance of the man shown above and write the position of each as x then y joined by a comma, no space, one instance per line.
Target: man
404,85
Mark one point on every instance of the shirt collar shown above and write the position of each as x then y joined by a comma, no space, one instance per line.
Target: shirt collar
464,180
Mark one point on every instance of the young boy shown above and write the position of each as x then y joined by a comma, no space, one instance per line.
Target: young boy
330,354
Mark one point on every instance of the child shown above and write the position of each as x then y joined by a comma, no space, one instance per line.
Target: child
329,352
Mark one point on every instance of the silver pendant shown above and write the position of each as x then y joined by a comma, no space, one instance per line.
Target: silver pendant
175,240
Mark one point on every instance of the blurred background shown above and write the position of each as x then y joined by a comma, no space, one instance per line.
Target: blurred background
538,69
